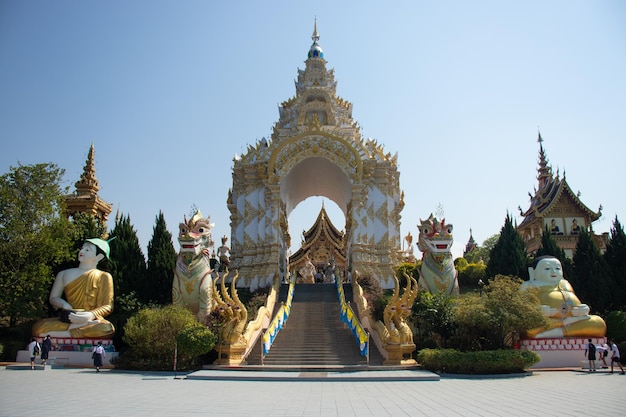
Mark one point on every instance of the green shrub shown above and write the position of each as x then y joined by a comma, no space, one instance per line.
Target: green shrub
151,337
195,340
477,363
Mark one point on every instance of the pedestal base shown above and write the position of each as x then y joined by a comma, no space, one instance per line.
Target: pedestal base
400,354
562,352
71,351
230,354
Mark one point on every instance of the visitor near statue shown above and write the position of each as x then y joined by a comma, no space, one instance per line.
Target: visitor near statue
590,354
89,297
98,356
33,351
568,316
46,347
615,357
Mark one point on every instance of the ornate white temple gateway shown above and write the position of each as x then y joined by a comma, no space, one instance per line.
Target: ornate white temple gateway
316,149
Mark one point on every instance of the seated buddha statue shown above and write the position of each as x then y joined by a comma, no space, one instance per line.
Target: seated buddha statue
88,297
568,316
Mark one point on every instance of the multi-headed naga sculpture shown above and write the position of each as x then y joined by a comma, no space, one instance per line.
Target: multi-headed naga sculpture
231,310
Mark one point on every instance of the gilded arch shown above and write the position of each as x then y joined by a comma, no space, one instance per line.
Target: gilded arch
316,149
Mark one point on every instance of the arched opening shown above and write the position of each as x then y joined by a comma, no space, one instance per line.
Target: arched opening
312,177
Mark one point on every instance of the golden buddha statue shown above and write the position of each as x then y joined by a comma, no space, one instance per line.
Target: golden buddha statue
89,294
568,316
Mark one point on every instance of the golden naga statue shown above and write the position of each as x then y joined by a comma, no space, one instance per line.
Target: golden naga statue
568,316
89,297
394,328
231,310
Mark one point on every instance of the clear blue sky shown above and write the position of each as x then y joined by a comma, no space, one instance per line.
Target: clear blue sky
170,91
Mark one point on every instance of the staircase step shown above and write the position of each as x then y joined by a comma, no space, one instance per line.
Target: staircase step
314,333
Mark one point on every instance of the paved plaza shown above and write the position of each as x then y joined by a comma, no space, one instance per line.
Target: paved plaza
83,392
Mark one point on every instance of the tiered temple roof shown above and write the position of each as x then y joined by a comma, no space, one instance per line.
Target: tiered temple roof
86,199
321,243
554,205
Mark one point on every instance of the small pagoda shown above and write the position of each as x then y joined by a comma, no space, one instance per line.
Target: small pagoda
86,199
322,244
554,205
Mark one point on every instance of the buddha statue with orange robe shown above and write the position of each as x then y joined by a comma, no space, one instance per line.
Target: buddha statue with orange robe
88,297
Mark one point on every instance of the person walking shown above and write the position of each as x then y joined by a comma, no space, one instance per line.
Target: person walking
590,352
33,349
98,356
615,358
46,347
603,352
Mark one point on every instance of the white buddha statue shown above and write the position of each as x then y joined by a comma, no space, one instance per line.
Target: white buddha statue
568,316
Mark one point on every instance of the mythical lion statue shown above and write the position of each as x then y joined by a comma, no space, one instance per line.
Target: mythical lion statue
437,274
192,286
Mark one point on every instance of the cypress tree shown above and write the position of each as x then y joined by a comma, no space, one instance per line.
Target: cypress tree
615,257
591,275
127,264
161,263
508,256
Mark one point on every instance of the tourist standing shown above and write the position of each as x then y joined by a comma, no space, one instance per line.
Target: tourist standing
615,358
98,356
46,347
590,352
33,349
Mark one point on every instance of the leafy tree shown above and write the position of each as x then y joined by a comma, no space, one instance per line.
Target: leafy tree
508,256
487,322
591,279
470,273
127,264
151,336
615,257
161,263
432,316
34,238
195,340
481,253
616,325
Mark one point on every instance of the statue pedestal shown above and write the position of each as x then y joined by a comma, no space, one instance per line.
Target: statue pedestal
400,354
71,351
565,352
230,354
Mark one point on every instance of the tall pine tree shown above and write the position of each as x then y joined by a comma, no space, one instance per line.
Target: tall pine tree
615,257
127,264
508,256
161,263
591,279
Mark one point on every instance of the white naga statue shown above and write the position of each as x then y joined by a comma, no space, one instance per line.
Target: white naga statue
192,285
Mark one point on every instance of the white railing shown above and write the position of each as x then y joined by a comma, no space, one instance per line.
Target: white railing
277,323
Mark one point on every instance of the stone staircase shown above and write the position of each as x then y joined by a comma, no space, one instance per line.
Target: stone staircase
314,335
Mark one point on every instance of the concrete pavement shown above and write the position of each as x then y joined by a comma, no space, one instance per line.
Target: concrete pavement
83,392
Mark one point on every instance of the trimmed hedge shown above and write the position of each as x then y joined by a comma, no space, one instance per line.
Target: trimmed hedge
484,362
